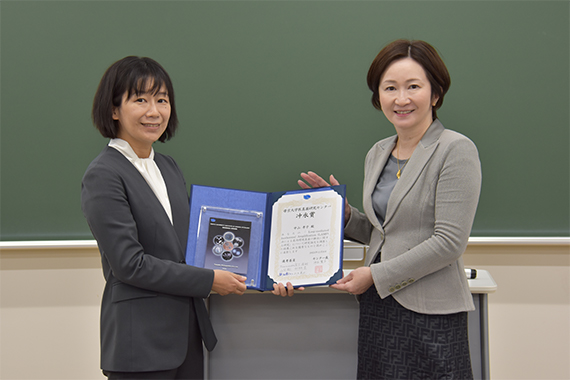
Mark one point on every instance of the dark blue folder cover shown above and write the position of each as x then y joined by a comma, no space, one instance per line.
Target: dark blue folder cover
230,230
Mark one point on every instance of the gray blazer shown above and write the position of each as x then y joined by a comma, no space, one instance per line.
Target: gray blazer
428,221
149,291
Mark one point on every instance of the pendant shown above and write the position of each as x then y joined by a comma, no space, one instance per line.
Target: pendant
398,174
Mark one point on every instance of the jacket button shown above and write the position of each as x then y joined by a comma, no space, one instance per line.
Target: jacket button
411,280
404,283
392,290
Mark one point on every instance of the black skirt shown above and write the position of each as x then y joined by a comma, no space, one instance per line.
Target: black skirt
397,343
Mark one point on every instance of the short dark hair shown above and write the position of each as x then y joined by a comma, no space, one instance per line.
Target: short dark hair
421,52
130,75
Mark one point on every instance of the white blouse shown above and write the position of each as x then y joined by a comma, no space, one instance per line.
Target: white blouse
148,169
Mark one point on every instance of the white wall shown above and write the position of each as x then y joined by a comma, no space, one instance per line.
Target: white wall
49,312
529,315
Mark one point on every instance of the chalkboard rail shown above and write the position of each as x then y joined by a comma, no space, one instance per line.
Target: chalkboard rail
78,244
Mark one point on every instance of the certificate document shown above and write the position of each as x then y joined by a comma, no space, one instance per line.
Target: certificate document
290,236
305,245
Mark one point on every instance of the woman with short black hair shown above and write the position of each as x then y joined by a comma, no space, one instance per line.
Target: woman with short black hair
153,318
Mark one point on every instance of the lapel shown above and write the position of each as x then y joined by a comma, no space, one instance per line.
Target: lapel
131,173
155,207
414,167
378,159
173,197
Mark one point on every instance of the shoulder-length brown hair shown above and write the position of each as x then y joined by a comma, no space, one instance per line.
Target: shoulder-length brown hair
421,52
130,75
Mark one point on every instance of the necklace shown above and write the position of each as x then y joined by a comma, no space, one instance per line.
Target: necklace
398,160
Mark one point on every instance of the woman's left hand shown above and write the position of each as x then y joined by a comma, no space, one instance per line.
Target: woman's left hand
356,282
284,291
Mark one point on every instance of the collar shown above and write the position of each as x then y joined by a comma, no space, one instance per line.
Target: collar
125,148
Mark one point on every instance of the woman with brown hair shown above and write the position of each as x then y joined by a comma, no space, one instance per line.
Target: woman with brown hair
421,189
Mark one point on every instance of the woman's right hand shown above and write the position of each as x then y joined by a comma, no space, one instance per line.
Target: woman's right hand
228,283
313,180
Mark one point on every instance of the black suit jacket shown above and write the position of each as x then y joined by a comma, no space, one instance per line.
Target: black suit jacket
149,291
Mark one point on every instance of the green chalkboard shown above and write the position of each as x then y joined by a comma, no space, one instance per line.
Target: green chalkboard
267,89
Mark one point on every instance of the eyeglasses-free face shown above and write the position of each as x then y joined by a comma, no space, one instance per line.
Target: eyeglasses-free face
143,119
405,96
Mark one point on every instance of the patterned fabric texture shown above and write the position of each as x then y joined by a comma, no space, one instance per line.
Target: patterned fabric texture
396,343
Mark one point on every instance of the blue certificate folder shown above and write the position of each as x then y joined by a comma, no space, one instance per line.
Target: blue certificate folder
230,229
